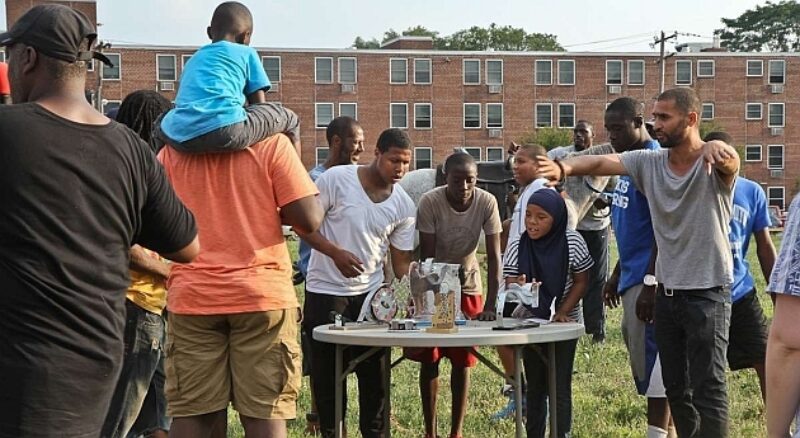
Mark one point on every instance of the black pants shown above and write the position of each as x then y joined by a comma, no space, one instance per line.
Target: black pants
594,313
370,373
538,389
692,337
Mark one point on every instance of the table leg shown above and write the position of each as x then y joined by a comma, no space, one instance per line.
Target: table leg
338,420
387,386
551,380
518,390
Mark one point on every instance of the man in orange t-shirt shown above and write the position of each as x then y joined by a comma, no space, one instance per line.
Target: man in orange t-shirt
5,87
232,334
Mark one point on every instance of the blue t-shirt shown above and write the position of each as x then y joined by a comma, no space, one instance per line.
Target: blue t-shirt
304,250
748,216
213,90
630,217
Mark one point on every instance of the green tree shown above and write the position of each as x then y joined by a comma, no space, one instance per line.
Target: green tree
548,137
774,27
494,37
709,126
361,43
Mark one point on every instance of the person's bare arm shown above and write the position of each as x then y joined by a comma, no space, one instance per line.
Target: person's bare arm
580,282
646,303
598,165
610,294
303,215
185,254
427,245
493,282
765,250
723,158
401,260
258,96
142,262
347,263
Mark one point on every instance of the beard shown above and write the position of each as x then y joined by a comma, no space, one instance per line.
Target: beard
673,138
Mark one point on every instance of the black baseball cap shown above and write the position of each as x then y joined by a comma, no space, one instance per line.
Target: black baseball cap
57,31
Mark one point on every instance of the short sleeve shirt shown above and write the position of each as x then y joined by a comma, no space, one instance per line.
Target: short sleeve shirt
457,232
5,86
749,215
785,278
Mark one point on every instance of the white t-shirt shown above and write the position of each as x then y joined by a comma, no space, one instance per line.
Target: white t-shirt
358,225
518,216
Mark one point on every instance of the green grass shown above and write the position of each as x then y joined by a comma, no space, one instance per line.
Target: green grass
605,402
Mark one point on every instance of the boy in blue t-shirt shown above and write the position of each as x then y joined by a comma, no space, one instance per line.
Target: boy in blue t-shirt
209,113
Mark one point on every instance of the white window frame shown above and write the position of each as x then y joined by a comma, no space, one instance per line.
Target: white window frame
783,196
317,105
430,71
760,111
769,114
391,114
502,115
430,157
89,63
769,73
430,115
486,67
185,59
783,157
316,154
713,68
118,66
536,115
495,148
760,153
405,61
574,72
174,67
747,68
644,65
679,62
280,68
107,101
536,71
339,69
574,117
702,107
475,148
621,71
464,71
354,104
3,56
464,115
316,75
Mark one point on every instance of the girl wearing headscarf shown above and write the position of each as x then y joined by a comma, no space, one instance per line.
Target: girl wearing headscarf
549,253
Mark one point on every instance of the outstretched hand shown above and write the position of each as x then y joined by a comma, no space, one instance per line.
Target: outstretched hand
717,154
548,169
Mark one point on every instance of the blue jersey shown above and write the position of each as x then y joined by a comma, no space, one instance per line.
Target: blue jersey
749,215
304,249
630,217
213,87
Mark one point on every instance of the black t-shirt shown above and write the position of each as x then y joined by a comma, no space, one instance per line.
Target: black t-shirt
73,199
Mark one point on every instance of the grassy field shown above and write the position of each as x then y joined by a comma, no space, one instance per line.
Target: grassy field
605,402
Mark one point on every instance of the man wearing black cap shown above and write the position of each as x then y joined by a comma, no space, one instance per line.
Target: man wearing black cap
77,191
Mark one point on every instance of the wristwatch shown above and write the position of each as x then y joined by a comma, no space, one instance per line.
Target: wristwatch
650,280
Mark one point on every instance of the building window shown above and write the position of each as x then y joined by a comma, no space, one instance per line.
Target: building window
755,67
777,71
775,156
472,115
705,68
398,115
775,115
494,153
185,59
398,71
613,72
566,72
544,115
544,72
494,115
475,152
776,196
752,111
323,70
423,158
322,155
272,66
707,112
422,71
166,70
348,71
3,56
472,71
636,72
349,109
752,153
109,105
566,115
494,72
422,115
683,72
112,73
324,114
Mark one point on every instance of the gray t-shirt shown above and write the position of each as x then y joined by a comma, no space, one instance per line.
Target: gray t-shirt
690,216
588,217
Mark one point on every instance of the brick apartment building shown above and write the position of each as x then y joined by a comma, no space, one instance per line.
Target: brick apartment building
483,100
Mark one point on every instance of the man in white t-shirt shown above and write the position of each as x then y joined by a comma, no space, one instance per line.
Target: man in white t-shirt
367,215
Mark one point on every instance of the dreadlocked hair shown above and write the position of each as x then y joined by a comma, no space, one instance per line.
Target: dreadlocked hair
139,111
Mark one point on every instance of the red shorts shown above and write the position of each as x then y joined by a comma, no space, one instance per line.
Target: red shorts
471,306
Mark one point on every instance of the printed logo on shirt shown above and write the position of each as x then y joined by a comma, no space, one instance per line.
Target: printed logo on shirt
620,199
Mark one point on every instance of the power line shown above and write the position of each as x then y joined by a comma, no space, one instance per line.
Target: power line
646,40
609,40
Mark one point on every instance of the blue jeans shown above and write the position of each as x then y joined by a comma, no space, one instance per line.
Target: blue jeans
537,395
692,337
140,388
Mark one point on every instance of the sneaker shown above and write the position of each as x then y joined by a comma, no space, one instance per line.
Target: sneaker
507,412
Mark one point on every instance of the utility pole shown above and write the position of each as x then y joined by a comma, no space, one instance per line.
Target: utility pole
663,59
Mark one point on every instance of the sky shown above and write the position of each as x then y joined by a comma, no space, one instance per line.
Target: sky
580,25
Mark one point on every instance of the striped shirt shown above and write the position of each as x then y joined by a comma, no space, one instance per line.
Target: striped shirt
579,261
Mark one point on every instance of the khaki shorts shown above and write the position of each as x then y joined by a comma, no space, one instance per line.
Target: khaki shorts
249,359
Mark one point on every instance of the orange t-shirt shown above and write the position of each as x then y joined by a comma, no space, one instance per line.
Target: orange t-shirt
244,264
5,87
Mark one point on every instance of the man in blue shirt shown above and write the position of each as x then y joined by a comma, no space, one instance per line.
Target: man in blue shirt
747,347
632,283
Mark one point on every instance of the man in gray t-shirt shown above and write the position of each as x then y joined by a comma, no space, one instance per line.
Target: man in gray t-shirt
689,187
